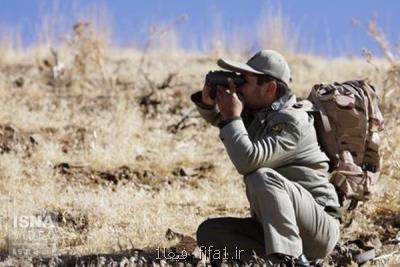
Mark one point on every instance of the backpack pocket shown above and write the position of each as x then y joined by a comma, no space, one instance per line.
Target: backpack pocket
356,186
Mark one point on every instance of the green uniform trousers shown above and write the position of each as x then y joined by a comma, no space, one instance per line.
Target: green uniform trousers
285,219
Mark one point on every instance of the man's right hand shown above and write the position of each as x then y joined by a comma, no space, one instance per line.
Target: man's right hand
205,96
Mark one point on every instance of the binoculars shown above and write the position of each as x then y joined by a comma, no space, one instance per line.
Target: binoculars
220,78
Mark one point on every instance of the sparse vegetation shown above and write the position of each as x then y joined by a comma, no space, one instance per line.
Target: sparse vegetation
107,141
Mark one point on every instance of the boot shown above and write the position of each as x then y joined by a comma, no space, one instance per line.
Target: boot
301,261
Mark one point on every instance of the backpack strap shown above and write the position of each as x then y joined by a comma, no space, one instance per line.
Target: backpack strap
375,117
324,118
315,108
353,204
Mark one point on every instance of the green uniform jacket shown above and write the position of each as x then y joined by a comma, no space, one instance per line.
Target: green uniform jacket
280,137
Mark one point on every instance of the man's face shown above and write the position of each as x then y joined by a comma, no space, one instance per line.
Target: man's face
255,96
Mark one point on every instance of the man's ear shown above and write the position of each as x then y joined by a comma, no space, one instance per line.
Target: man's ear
272,88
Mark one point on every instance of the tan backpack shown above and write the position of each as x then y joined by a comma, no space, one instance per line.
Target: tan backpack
347,123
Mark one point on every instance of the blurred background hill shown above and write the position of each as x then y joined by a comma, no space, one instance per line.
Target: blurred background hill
321,28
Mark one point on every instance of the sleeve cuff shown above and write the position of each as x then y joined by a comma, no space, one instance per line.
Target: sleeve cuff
227,121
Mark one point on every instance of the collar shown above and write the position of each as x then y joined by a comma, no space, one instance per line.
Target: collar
284,101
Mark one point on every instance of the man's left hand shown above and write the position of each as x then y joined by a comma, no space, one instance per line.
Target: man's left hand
228,101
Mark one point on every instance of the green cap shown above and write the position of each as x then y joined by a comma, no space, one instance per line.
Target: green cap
268,62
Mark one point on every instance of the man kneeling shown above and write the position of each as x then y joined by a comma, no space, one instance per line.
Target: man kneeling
274,146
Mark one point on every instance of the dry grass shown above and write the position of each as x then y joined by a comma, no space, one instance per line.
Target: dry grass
108,151
276,32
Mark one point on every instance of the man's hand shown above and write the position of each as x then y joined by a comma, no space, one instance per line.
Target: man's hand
205,96
228,101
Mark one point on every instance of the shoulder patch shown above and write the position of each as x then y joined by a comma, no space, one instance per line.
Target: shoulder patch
277,128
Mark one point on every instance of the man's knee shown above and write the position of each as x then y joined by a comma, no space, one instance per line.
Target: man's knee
206,231
262,178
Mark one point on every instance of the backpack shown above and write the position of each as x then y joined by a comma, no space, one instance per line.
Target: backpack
347,119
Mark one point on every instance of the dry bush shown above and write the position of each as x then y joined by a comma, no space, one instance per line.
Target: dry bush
276,32
4,47
78,64
75,58
87,49
234,44
161,40
390,74
10,44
